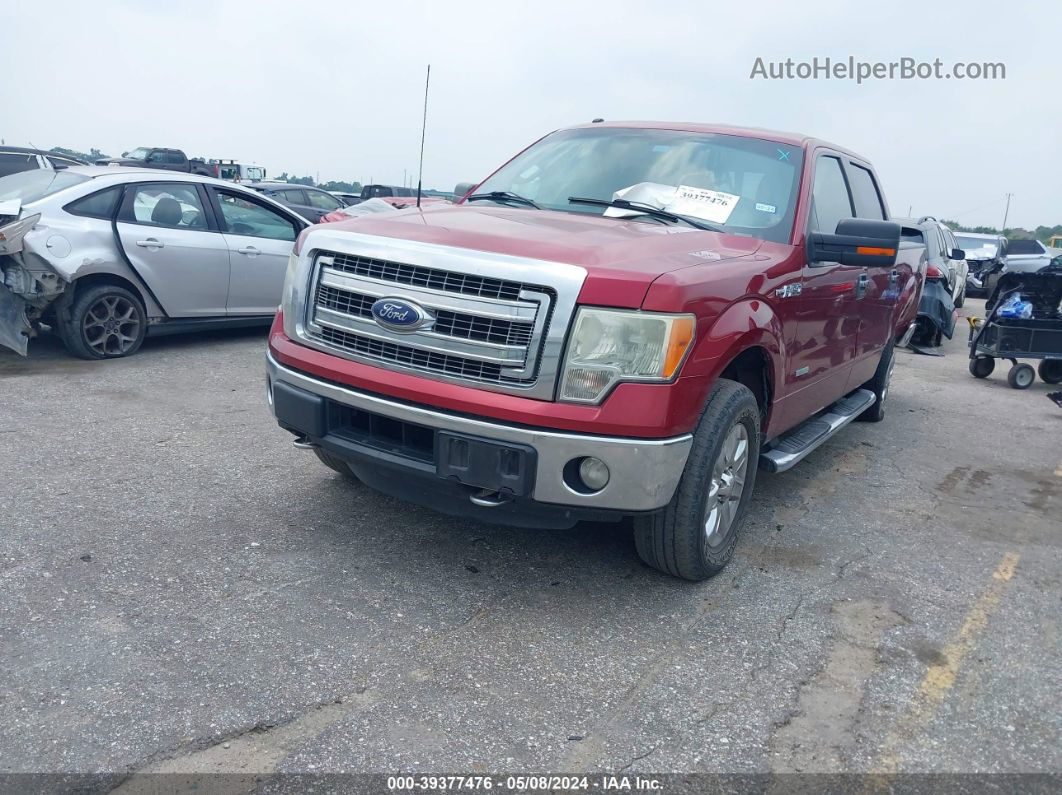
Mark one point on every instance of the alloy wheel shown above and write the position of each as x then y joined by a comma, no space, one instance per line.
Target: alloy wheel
727,486
111,325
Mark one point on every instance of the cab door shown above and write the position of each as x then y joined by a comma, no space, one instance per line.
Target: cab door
259,238
172,244
824,312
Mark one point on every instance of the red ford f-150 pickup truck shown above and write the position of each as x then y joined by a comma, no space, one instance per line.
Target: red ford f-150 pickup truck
624,319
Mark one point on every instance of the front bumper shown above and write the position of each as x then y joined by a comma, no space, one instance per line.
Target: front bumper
644,473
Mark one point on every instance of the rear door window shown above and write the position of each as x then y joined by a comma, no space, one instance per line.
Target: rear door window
830,200
293,196
868,202
323,201
172,205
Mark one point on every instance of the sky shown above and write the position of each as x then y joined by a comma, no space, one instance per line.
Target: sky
335,89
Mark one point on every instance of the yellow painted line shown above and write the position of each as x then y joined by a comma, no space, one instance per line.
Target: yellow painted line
940,677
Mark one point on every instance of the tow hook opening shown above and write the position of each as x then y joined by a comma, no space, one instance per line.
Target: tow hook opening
489,498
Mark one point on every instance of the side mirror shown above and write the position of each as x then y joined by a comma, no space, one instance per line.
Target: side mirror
462,189
124,154
862,242
958,253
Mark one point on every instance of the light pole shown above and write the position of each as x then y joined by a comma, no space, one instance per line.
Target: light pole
1006,212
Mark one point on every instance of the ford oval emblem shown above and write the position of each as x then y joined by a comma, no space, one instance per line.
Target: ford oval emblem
399,315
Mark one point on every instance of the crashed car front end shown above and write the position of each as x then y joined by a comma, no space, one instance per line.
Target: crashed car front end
28,283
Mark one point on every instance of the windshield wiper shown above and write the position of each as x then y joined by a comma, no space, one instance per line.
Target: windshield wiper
503,196
648,209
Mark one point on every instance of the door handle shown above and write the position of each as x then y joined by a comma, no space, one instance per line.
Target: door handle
861,285
151,243
250,251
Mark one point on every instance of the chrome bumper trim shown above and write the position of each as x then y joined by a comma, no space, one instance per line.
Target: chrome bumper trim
644,472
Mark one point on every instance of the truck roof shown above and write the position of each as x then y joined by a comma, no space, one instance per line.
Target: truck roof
789,138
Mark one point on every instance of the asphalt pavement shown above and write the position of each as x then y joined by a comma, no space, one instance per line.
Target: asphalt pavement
182,591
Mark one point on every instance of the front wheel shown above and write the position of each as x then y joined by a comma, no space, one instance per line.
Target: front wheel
982,366
1021,376
335,463
695,535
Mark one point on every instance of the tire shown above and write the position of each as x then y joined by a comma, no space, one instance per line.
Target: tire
982,366
1050,371
879,385
1021,376
695,535
334,463
104,322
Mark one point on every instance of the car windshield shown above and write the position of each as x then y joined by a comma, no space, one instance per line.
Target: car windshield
743,185
29,186
976,243
140,153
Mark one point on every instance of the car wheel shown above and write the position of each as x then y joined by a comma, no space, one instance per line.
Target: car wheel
1050,371
1021,376
879,385
104,322
982,366
695,535
335,463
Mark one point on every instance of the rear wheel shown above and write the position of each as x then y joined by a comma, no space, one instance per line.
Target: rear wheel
879,385
695,535
104,322
982,366
1021,376
1050,371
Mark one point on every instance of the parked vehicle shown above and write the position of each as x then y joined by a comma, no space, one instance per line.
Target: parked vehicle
936,307
1025,323
231,171
166,159
106,255
382,192
14,159
1026,256
985,256
376,206
947,260
308,202
622,320
348,199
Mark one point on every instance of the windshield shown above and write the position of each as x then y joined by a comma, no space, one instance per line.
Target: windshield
976,243
750,183
29,186
140,153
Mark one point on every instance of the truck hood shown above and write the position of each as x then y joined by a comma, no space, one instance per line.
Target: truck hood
622,257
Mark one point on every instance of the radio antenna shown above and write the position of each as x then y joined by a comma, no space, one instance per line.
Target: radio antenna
423,132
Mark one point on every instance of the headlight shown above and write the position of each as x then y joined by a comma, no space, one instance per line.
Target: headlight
608,346
287,293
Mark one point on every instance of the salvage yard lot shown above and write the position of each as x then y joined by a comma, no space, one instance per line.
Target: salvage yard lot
182,590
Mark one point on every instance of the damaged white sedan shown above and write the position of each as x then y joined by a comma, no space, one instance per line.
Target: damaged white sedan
105,256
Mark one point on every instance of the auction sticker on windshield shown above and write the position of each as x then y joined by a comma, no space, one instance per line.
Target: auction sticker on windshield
711,205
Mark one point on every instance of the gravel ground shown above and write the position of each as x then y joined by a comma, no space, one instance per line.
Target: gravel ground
182,591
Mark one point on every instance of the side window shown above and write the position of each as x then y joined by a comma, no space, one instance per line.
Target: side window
174,159
96,205
14,162
243,216
829,196
322,201
293,197
868,202
155,156
160,204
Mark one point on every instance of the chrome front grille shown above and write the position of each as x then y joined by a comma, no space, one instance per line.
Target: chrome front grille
480,328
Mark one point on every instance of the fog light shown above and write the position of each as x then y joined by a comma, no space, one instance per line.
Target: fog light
594,473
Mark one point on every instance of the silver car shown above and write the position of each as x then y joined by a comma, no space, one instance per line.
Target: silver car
106,255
